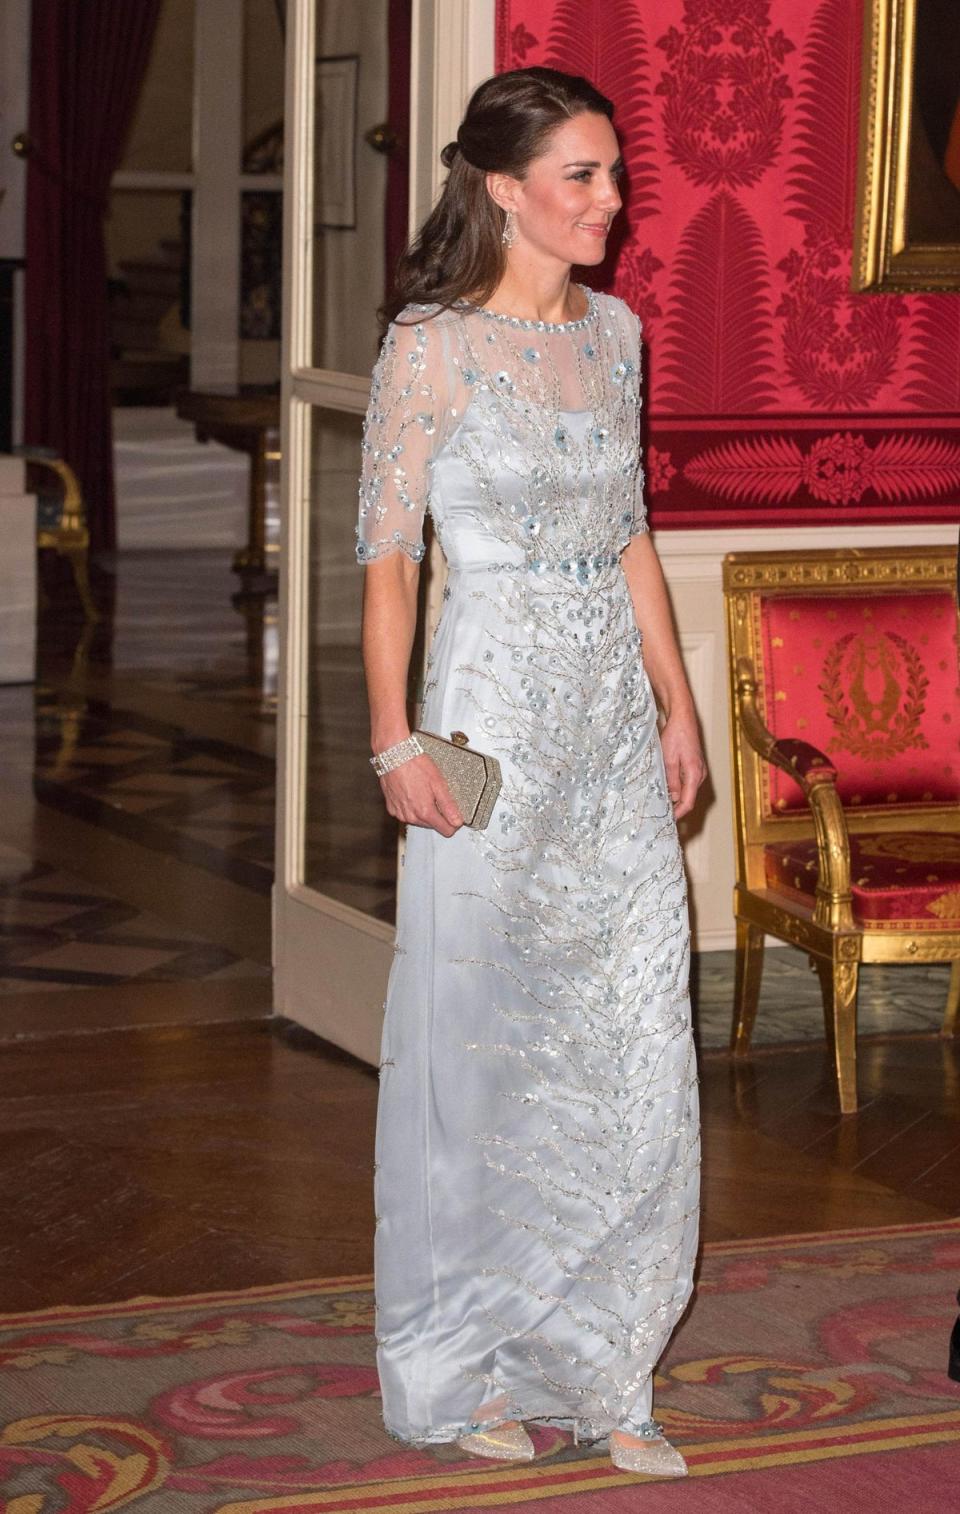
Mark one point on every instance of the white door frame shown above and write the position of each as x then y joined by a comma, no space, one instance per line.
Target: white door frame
331,961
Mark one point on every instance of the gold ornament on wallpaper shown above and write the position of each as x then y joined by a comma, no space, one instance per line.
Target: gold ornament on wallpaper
907,229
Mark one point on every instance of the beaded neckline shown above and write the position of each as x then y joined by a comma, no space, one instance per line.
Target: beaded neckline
523,324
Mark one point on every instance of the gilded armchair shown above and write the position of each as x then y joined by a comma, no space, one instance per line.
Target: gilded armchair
845,722
62,519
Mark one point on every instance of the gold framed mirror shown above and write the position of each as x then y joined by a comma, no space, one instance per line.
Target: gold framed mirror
907,227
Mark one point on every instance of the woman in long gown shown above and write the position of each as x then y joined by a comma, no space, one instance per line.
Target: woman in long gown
537,1177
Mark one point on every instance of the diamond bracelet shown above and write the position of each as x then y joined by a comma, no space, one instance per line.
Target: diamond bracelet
392,756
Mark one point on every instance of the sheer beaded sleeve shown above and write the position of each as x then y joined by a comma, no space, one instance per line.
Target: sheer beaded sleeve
640,523
404,424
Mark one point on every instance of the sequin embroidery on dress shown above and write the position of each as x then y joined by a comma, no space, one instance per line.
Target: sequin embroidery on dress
537,1177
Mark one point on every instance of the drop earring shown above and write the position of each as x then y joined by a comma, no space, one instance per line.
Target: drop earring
509,234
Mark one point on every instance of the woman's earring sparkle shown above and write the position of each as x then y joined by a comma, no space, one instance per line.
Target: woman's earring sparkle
509,233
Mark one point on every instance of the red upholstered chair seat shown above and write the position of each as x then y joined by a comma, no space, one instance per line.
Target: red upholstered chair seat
870,678
904,879
844,673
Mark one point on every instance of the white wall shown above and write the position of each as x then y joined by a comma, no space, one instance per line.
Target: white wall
18,575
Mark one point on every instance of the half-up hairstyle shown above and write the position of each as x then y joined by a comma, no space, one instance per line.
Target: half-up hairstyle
459,253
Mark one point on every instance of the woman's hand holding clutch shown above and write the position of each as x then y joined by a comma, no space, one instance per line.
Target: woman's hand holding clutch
418,794
459,787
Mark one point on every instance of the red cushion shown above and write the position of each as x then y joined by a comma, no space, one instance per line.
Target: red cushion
907,879
871,679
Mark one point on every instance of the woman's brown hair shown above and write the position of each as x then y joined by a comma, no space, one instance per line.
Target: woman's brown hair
459,253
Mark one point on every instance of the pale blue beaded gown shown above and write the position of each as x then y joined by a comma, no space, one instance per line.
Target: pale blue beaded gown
537,1148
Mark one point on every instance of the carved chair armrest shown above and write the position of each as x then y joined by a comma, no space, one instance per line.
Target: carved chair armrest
804,762
817,777
73,514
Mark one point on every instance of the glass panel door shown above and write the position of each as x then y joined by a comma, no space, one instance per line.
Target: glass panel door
349,842
353,127
336,883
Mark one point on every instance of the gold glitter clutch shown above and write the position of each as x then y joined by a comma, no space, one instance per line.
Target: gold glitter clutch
472,777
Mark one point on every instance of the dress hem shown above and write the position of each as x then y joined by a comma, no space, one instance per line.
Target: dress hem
450,1434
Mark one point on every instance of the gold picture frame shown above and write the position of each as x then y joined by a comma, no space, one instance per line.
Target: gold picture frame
907,226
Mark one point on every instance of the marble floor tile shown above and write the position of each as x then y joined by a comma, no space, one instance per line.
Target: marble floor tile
892,998
57,933
99,957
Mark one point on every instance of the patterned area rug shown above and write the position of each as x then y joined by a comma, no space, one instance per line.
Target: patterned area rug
809,1372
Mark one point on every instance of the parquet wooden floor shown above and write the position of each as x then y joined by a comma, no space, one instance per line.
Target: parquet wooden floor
197,1157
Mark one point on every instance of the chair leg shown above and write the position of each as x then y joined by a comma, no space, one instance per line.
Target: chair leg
839,982
746,986
951,1018
81,577
829,1029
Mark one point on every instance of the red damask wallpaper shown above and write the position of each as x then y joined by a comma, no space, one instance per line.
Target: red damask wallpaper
773,396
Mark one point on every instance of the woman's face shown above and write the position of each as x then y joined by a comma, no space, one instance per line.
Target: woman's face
567,202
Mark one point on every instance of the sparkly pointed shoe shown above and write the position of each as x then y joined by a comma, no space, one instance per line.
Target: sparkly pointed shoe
652,1454
505,1442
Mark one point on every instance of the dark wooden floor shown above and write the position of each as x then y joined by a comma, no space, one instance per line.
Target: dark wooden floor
159,1134
203,1157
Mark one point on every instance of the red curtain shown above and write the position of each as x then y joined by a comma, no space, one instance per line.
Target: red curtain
87,61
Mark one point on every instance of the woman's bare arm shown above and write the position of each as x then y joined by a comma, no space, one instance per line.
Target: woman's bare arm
680,737
415,792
